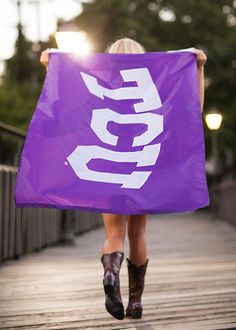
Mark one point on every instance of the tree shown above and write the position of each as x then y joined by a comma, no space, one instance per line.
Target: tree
21,84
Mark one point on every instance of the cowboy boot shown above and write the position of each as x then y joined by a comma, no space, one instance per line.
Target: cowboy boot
111,283
136,286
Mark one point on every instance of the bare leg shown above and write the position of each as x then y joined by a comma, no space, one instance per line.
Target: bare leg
137,239
115,228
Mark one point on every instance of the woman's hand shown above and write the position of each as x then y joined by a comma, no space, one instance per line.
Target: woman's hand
44,58
201,60
201,57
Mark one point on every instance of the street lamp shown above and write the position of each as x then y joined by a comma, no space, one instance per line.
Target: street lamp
70,39
213,120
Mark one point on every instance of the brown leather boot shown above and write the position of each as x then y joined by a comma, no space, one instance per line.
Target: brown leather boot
136,286
111,283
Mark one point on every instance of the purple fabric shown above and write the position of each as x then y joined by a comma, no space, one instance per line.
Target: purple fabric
62,122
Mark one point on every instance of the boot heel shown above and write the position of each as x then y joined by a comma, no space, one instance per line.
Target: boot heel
135,310
137,313
108,283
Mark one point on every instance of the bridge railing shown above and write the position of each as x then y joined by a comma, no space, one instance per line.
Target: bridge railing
24,230
224,200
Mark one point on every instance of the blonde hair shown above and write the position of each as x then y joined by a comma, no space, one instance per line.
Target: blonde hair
126,45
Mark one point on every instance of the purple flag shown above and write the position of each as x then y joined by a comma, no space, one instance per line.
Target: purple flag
116,133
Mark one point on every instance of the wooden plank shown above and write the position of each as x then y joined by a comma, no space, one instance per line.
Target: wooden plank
6,212
12,218
190,281
18,236
1,214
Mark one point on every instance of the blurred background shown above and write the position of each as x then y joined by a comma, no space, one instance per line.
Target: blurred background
28,27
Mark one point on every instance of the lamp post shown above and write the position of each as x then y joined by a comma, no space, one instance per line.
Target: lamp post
70,39
213,121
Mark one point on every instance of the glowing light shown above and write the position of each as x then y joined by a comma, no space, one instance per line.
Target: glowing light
73,42
213,120
167,15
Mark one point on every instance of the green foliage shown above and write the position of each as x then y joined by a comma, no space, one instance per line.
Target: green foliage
21,85
21,65
17,103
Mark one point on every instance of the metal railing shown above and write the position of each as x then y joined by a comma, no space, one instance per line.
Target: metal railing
11,143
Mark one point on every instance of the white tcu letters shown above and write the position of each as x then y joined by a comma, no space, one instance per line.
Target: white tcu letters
145,90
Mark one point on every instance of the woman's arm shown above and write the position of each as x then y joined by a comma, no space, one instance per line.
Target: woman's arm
200,73
44,58
201,60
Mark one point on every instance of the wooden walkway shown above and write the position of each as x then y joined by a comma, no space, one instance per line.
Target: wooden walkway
190,282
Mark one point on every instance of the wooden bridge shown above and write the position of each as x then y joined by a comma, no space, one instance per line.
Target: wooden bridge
190,282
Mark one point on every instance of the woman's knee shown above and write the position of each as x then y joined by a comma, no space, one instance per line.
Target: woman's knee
115,226
137,225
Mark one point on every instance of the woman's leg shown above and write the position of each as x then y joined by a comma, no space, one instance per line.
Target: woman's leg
137,238
115,229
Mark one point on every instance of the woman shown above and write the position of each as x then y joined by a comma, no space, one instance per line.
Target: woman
116,225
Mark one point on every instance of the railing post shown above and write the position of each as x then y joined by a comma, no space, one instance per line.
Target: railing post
67,228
